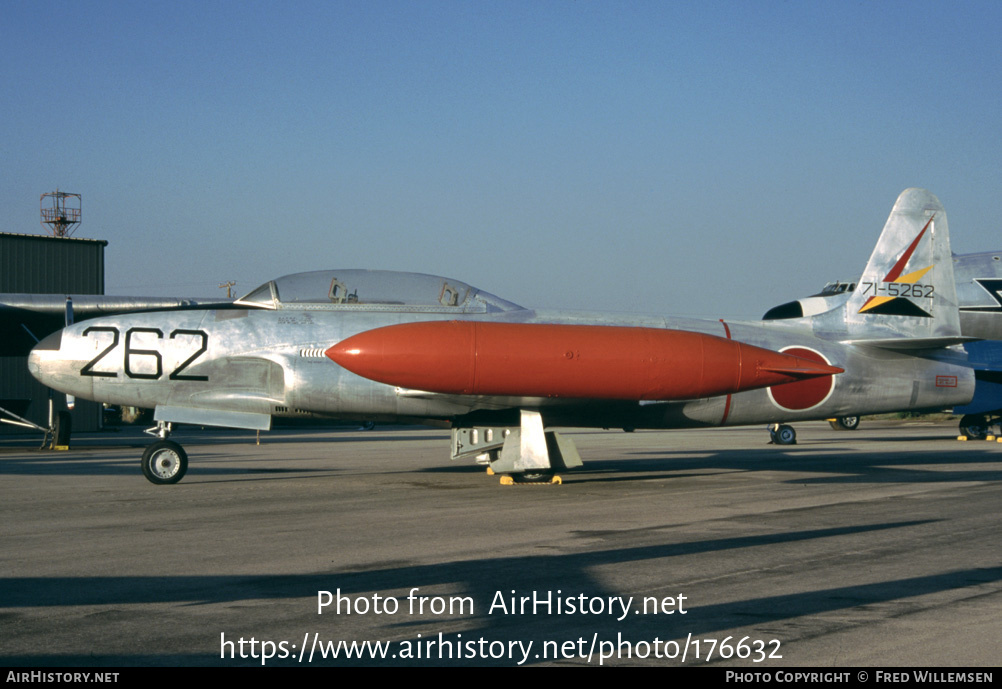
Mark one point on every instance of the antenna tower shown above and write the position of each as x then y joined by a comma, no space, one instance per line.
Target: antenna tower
61,212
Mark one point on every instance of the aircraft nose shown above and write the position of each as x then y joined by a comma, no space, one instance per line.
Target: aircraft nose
42,353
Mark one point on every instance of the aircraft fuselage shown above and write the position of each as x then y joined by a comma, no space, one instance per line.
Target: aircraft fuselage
228,366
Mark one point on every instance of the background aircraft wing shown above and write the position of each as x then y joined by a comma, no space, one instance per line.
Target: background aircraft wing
27,318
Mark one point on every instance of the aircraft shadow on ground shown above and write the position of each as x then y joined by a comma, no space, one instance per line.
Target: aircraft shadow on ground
872,467
480,580
838,467
868,467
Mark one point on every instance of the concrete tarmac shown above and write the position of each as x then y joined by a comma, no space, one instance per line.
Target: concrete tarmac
878,547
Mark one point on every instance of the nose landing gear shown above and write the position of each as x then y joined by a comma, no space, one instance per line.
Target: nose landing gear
164,462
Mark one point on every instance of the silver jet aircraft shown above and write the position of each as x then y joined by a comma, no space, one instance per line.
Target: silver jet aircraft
387,346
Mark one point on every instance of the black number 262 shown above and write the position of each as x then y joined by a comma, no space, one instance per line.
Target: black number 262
134,356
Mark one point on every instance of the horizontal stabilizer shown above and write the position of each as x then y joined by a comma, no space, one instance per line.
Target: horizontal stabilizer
900,344
808,370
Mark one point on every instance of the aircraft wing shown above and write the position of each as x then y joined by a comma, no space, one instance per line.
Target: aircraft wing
27,318
92,305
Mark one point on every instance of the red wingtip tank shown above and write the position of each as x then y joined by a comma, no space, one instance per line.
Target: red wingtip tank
569,361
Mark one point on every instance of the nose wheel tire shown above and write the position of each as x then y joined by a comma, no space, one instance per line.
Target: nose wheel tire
164,462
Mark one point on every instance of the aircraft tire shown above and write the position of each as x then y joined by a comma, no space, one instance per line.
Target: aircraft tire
534,477
164,462
785,435
974,426
845,423
62,430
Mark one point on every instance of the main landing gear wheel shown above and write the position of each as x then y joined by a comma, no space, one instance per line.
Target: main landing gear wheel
533,477
783,435
974,426
845,423
164,462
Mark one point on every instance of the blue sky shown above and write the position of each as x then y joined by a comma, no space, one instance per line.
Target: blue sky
710,158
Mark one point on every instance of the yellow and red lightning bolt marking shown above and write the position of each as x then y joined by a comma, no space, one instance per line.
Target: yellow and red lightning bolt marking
895,273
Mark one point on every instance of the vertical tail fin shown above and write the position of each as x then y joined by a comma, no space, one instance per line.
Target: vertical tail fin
906,297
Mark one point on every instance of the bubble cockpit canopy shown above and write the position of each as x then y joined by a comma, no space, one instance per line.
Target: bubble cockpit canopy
373,290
